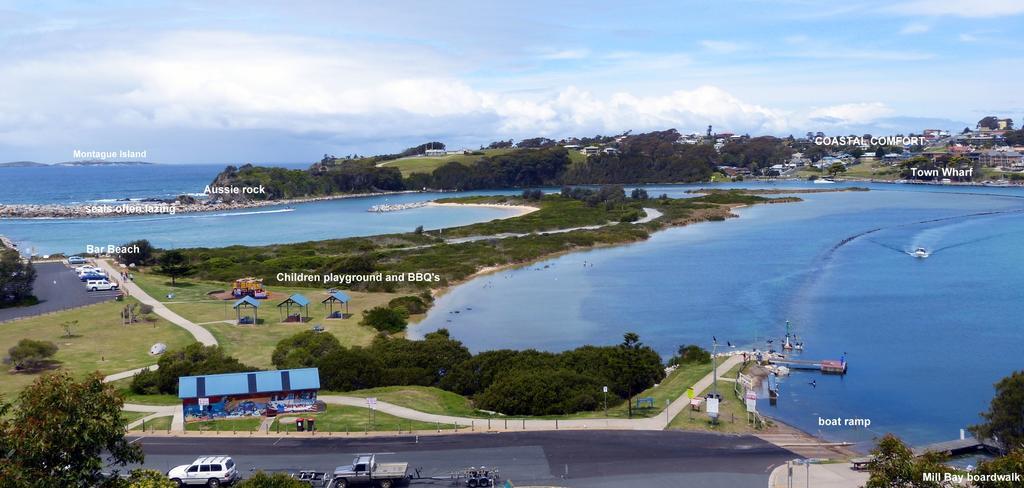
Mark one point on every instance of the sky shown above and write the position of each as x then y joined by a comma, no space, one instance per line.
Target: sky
234,82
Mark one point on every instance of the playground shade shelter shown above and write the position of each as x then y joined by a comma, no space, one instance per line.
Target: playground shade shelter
296,300
338,297
247,302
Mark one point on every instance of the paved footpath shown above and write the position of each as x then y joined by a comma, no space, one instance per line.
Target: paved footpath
201,335
837,475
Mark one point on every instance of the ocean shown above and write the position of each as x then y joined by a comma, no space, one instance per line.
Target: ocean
925,338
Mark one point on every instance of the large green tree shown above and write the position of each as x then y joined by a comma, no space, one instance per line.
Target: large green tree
895,466
63,433
304,349
1004,419
174,264
16,279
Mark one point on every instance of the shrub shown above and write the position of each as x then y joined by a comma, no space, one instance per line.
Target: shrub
541,392
412,304
303,349
386,319
194,359
30,354
690,354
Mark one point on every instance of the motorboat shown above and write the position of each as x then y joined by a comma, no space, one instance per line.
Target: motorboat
920,253
823,181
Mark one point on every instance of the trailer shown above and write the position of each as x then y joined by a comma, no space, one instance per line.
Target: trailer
366,471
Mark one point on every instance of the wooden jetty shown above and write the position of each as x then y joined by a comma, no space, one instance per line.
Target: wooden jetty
833,366
957,447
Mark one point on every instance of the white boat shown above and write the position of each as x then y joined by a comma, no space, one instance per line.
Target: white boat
920,253
823,181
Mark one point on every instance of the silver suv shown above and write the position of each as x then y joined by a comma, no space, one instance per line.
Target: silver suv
208,470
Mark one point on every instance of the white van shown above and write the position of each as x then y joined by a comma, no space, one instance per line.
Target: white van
96,285
208,470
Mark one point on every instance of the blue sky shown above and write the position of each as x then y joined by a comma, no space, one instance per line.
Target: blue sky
234,82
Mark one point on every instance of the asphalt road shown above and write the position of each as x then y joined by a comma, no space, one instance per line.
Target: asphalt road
567,458
57,287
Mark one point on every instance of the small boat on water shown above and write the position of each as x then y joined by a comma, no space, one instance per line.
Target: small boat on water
920,253
823,181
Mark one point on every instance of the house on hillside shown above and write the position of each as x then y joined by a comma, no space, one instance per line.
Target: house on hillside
435,153
590,150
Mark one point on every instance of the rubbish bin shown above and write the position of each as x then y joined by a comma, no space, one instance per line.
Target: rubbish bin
310,425
300,425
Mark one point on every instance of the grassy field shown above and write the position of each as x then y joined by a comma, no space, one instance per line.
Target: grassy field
243,424
254,344
99,341
866,170
158,424
129,417
422,164
422,398
344,418
732,411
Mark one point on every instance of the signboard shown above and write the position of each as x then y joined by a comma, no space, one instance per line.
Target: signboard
604,389
751,401
689,393
372,402
204,402
712,407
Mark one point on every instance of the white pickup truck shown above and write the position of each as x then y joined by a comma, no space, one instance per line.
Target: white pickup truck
366,471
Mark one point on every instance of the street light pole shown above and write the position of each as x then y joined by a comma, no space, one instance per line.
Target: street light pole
605,389
714,367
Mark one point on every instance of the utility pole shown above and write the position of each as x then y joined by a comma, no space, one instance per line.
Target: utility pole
605,389
714,366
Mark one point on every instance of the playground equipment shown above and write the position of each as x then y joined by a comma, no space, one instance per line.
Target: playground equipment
249,287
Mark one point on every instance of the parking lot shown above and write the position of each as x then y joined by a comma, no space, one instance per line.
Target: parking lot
565,458
58,288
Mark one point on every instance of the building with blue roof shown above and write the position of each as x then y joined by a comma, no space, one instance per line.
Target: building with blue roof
247,302
249,394
339,297
299,301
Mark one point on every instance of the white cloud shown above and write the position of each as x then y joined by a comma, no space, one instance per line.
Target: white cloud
915,28
566,54
722,47
852,113
967,38
959,8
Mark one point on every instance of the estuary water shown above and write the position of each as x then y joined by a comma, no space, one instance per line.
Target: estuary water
925,338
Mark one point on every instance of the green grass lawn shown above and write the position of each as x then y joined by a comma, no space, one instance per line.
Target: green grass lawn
253,344
129,417
344,418
422,398
421,164
99,342
243,424
732,411
671,388
158,424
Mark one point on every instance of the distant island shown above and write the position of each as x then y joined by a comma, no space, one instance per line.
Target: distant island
22,164
90,162
102,162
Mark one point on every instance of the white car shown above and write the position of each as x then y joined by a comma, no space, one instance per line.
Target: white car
96,285
207,470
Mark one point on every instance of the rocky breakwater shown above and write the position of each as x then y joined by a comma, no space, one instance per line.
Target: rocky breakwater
185,204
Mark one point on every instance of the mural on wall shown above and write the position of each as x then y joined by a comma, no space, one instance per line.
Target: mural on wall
251,405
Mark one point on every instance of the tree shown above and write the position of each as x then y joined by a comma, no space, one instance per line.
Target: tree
836,168
30,354
691,354
989,122
63,432
350,369
856,152
174,264
276,480
139,253
302,350
69,327
894,466
386,319
1004,420
1012,462
639,194
194,359
149,478
635,369
16,279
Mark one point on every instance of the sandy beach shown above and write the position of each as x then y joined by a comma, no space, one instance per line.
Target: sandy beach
520,209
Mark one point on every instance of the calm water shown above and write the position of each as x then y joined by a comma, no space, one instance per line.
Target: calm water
103,184
925,338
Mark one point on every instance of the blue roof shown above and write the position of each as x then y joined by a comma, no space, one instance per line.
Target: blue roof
339,296
254,303
248,383
297,299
